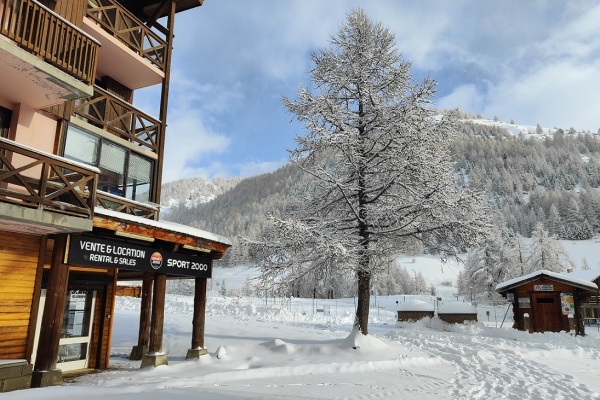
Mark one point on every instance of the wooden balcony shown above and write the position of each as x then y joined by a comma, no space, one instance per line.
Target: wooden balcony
120,118
42,193
121,204
131,52
48,36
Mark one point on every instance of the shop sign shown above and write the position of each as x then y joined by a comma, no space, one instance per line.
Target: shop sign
543,288
524,302
96,252
510,297
567,304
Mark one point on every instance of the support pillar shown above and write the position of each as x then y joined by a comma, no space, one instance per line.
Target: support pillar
138,351
155,356
45,372
198,320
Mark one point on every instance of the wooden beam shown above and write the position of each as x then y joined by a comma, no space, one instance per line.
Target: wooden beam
52,317
217,250
145,310
35,302
158,314
198,321
164,100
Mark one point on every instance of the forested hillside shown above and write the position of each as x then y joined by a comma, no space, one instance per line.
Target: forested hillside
241,210
547,176
553,180
188,192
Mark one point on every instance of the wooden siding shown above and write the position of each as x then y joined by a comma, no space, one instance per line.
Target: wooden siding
99,357
18,265
129,291
528,291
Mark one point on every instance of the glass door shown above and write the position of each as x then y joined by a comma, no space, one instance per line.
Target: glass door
76,331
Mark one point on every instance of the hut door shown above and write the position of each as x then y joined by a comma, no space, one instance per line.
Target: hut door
546,312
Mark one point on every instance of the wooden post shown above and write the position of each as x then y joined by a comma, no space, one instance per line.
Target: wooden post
45,372
35,302
137,353
198,320
155,357
164,100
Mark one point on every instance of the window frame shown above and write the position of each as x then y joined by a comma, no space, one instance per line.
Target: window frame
125,189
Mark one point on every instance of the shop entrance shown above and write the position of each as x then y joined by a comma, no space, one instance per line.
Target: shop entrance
76,331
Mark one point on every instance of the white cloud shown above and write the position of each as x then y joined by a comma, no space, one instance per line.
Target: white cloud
465,97
256,168
560,95
188,142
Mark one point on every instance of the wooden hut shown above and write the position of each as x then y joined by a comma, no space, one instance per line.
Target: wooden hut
457,313
545,301
415,310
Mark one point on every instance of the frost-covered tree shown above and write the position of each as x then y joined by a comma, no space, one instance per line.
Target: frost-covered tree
494,262
382,173
546,253
584,264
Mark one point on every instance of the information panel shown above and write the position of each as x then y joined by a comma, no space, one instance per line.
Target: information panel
96,252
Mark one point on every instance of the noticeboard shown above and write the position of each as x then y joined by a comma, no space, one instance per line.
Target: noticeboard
100,252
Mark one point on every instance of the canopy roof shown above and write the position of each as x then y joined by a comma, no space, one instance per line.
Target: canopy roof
558,277
126,224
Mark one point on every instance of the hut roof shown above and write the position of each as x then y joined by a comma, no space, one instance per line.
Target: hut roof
569,279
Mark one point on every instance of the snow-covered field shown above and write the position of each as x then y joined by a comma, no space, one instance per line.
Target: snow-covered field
300,349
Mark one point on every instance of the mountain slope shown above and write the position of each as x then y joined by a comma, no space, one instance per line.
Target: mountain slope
529,174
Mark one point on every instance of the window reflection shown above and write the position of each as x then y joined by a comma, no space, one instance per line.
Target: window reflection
76,317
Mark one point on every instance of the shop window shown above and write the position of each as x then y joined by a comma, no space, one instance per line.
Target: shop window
123,172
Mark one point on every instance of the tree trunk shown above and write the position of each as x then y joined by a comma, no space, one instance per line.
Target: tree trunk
364,297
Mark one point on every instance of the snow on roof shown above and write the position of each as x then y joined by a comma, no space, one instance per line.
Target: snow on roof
563,277
166,225
415,305
589,275
457,308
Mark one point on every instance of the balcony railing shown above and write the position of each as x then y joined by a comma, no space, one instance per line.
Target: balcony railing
31,178
128,29
121,204
45,34
119,118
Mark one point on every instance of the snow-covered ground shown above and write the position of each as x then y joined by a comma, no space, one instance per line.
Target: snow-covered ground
300,349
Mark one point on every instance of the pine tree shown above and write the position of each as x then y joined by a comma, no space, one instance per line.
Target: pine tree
382,172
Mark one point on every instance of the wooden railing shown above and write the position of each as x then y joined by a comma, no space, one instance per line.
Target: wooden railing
32,178
121,204
45,34
130,30
119,118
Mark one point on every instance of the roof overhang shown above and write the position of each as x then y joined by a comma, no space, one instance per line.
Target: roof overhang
544,274
133,226
155,9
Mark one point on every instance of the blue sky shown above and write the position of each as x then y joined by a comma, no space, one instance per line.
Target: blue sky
530,61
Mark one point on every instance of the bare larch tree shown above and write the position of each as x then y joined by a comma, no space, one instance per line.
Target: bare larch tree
378,154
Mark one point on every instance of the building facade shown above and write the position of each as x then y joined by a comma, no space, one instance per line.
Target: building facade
80,173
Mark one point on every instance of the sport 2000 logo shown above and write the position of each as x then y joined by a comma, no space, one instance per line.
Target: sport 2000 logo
156,260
